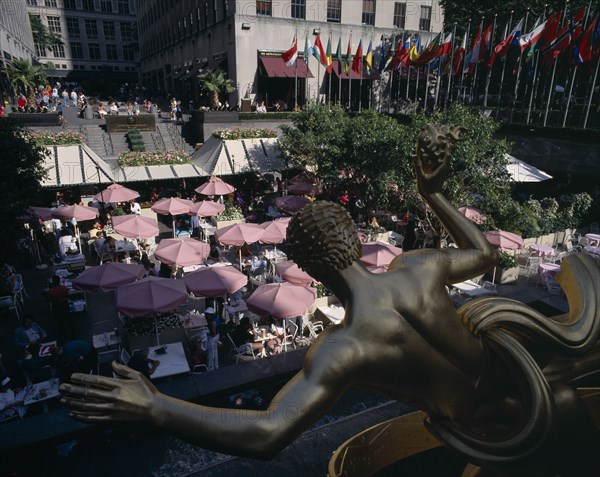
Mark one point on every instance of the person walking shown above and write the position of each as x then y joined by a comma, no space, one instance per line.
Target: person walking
214,328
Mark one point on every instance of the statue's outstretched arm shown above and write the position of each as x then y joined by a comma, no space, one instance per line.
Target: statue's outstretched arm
432,164
252,433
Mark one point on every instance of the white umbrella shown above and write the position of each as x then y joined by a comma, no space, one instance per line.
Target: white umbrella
522,172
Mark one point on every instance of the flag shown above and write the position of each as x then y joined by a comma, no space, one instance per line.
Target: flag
396,58
429,51
561,41
415,50
382,57
369,58
446,47
404,57
583,51
459,53
340,57
319,51
290,56
348,59
501,49
308,50
357,58
525,41
484,44
391,51
472,56
329,58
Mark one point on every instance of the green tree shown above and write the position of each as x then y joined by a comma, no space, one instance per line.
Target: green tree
41,35
216,82
23,76
22,171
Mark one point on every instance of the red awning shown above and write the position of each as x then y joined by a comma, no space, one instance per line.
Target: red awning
276,68
354,75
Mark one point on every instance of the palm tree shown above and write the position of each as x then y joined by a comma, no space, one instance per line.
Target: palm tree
23,76
216,82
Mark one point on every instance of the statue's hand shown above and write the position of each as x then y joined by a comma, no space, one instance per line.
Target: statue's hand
434,152
97,399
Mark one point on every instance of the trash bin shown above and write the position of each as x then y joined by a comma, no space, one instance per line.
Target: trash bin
89,112
154,110
246,106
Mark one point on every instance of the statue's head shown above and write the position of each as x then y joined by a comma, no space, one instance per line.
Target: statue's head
435,142
322,238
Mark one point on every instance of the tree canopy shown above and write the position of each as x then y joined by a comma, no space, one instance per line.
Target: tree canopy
216,82
22,171
42,36
23,76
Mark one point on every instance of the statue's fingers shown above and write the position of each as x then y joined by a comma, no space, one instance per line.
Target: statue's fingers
80,405
101,381
125,371
91,418
85,392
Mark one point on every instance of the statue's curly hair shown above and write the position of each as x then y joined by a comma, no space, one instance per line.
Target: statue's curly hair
322,238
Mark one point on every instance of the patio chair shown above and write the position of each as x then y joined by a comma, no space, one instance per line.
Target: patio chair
199,369
314,328
552,286
19,287
489,286
243,352
573,248
530,270
395,239
290,338
456,298
10,303
125,356
106,357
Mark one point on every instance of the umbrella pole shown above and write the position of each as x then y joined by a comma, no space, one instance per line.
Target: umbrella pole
174,235
156,329
78,238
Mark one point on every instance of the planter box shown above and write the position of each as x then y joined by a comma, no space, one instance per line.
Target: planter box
226,223
506,276
216,116
35,119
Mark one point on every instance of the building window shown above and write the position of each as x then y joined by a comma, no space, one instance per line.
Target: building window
58,51
106,6
109,31
40,50
123,6
126,32
425,20
399,14
51,3
111,52
94,49
88,5
368,12
76,51
32,2
73,27
54,24
299,9
263,7
127,52
334,11
206,16
91,29
70,4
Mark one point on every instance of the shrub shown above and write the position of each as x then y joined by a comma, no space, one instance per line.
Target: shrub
506,260
244,133
231,212
142,158
63,138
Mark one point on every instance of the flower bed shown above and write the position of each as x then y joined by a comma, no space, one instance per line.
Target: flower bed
63,138
244,133
168,158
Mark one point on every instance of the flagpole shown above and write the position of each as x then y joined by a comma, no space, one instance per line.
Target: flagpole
489,70
554,72
330,71
427,86
451,71
508,29
512,112
537,61
437,86
360,81
589,104
350,78
462,71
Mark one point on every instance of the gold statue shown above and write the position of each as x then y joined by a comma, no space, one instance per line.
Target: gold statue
496,379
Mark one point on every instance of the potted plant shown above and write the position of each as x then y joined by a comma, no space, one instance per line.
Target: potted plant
507,270
231,215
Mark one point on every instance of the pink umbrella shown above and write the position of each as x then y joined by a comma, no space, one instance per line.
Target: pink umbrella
109,276
378,253
116,193
206,208
504,240
473,213
77,212
282,300
174,206
215,186
290,271
42,212
135,226
182,252
291,203
275,231
151,295
239,234
215,281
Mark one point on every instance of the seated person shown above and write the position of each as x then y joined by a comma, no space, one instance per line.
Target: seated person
108,249
149,266
68,245
215,254
93,232
101,111
11,400
140,362
76,356
244,334
29,333
114,109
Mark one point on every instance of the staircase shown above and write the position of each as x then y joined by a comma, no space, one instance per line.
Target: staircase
97,140
149,142
165,134
119,143
177,137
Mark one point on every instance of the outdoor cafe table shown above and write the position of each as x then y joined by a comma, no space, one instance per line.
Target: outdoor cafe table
192,268
471,289
593,239
234,311
334,313
106,340
541,250
126,246
592,250
41,392
172,362
548,270
194,321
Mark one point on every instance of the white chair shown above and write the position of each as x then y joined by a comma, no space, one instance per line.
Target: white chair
314,328
552,286
531,269
10,303
395,239
125,356
490,286
243,352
